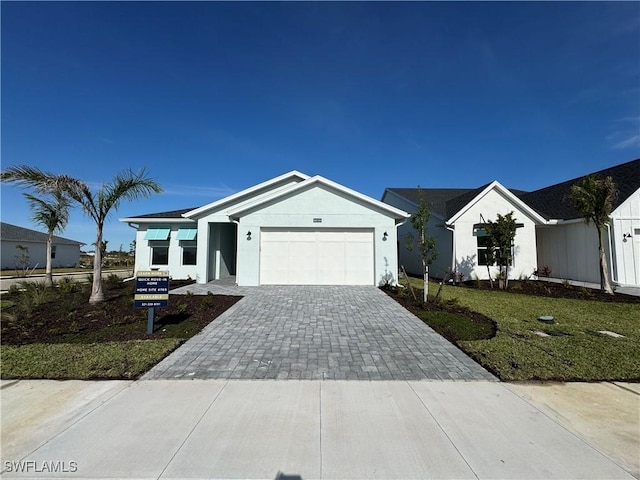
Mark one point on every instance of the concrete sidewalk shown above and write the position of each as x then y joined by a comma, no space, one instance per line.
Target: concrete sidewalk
288,429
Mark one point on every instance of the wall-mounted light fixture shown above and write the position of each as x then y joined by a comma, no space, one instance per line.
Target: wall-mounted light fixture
249,235
384,236
625,236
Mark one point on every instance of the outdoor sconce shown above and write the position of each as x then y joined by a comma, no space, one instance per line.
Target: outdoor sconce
625,236
249,235
384,236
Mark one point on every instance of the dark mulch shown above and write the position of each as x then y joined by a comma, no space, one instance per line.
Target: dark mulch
69,318
543,288
461,323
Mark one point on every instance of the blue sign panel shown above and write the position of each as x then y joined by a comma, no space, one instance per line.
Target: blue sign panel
152,289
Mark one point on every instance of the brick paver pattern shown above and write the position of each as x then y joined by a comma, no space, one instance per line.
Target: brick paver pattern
316,332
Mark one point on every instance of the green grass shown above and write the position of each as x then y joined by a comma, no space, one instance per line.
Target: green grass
113,360
517,353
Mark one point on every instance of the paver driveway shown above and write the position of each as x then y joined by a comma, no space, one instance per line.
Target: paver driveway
316,332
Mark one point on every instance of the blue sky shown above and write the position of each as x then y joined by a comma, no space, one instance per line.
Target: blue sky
213,97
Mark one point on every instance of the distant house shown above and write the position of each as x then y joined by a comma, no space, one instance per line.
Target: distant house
65,252
550,233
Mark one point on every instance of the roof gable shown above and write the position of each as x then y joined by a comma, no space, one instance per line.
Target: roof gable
551,201
495,185
15,233
436,197
314,181
247,195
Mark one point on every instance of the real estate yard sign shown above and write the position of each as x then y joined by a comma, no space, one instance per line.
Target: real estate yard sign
152,289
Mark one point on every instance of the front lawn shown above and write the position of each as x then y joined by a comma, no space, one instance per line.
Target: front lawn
573,349
55,333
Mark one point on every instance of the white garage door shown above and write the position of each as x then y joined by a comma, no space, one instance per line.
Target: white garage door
316,257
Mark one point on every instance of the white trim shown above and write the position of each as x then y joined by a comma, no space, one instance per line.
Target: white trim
247,191
396,212
510,196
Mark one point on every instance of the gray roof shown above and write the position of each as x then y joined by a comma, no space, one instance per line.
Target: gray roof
21,234
437,198
171,214
551,202
445,202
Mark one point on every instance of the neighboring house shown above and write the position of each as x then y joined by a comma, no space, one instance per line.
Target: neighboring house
292,229
550,233
64,252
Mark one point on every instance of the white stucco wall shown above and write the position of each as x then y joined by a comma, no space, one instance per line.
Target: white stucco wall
336,211
465,243
66,255
175,267
626,254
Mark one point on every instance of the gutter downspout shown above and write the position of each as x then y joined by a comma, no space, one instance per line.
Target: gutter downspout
453,245
614,271
237,222
135,253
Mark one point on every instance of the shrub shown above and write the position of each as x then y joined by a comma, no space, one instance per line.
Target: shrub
14,289
112,281
67,285
208,301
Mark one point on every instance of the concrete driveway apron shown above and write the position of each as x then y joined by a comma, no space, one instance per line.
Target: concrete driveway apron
316,332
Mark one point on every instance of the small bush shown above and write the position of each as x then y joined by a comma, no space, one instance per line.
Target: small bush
208,301
112,281
14,289
67,285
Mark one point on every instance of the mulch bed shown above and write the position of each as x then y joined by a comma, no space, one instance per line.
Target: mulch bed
69,318
543,288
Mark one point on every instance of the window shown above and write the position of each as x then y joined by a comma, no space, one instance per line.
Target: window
484,242
159,252
53,251
189,250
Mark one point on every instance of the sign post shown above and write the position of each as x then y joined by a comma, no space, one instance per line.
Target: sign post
152,290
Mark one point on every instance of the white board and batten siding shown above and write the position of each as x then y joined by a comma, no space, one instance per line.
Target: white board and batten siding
626,241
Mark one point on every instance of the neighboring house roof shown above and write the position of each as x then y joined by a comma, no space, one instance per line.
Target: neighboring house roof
445,202
551,201
15,233
436,197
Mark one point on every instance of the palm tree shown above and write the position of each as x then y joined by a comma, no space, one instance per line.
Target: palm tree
125,185
593,199
53,215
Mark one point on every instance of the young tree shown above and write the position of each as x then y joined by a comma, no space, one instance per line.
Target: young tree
425,244
52,214
502,233
126,185
593,199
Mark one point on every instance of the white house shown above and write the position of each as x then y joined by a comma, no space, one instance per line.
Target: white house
64,252
292,229
550,234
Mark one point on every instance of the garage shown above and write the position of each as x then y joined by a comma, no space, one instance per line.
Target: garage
316,256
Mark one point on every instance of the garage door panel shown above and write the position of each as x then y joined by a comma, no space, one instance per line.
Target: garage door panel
317,257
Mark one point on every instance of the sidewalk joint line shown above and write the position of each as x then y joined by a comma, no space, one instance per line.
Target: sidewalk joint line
193,429
443,430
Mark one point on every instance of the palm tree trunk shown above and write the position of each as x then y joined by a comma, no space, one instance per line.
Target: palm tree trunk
48,278
97,294
605,284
